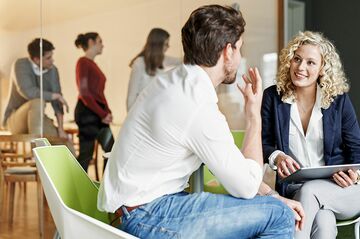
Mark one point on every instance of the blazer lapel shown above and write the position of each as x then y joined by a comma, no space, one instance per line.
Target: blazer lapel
284,122
329,131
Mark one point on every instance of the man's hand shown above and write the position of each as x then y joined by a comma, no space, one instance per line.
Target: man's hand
252,92
297,209
62,133
286,165
108,119
59,97
345,180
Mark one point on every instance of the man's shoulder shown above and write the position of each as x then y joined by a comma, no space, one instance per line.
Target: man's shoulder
23,62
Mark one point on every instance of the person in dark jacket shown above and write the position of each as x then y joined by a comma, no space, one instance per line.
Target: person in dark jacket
308,121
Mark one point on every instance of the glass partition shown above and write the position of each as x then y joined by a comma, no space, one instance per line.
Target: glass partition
19,25
123,27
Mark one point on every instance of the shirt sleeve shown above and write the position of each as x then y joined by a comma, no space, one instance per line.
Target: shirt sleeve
209,137
26,82
136,76
272,159
83,76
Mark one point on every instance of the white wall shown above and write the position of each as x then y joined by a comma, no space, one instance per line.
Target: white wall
124,31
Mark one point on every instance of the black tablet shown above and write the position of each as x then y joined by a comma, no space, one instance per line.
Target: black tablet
306,174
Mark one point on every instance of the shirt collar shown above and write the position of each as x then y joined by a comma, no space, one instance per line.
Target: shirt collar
195,71
36,68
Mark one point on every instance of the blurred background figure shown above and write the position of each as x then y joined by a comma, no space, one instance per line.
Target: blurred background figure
149,62
22,114
92,113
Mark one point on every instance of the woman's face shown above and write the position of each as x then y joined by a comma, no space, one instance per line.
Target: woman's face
166,45
305,66
97,45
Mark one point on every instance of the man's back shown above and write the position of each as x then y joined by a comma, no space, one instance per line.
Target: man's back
173,127
154,131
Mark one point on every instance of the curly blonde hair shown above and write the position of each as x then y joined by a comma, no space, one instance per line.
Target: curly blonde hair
333,81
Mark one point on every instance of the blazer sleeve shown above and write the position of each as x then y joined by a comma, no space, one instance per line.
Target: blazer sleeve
268,124
350,131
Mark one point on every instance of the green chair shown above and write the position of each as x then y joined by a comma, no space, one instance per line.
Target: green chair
72,196
211,184
346,232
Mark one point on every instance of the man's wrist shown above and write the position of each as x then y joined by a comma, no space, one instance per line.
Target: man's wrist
272,193
253,117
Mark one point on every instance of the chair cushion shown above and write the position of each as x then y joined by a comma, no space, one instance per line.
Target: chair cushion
20,170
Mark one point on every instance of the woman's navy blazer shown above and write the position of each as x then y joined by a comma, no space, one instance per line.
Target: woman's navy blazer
340,127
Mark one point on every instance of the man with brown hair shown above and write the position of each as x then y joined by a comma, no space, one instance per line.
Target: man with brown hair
174,127
22,114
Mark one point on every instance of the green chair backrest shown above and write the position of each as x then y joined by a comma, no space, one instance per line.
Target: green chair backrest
211,184
72,183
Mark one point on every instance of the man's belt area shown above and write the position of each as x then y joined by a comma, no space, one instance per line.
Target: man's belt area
116,221
119,212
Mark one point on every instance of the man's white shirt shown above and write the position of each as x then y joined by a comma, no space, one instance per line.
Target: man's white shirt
173,127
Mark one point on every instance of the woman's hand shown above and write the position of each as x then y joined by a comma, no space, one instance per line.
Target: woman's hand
286,165
345,180
297,209
108,119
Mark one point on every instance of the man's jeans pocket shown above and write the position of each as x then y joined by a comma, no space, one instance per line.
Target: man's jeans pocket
155,232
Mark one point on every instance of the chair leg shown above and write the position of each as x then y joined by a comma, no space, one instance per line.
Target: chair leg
11,202
56,235
2,194
40,208
357,230
96,152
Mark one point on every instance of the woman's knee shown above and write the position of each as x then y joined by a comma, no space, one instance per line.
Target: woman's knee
324,225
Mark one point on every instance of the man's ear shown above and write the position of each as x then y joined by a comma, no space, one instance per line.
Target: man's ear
228,52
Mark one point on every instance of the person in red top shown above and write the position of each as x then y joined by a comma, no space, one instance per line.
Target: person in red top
92,112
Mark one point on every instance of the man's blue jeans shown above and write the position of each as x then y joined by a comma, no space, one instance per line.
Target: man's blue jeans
206,215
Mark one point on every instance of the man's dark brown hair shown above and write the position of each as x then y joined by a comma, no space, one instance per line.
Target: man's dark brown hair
207,32
34,47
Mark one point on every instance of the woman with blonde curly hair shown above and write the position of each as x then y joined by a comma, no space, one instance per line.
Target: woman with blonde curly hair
308,121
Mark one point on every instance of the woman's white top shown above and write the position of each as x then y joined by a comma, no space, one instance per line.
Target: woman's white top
139,79
307,149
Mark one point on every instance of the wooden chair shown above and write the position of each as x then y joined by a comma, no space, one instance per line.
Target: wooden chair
17,165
